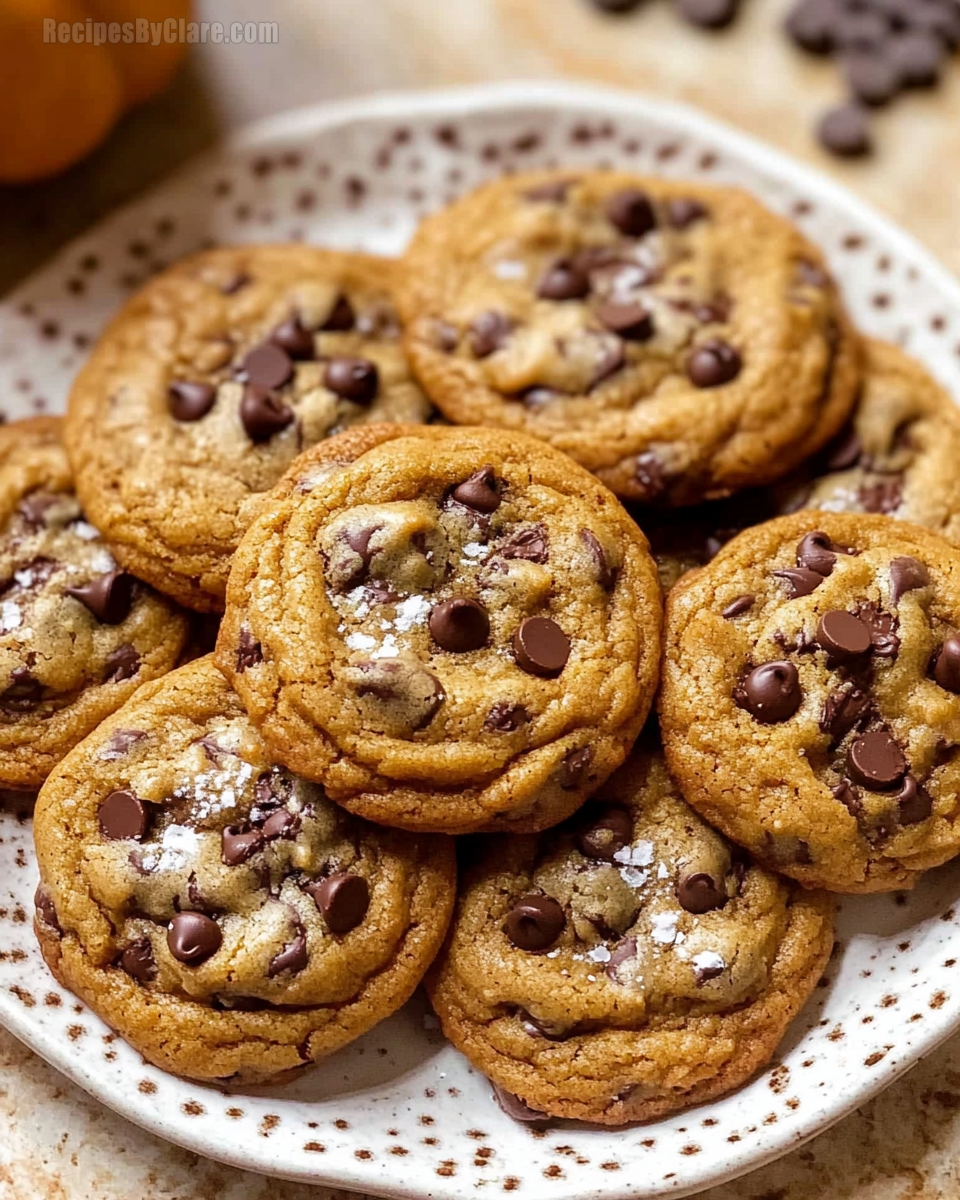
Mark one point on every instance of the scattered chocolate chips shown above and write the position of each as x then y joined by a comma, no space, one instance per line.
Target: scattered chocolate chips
882,627
293,339
238,844
343,900
683,212
800,581
713,364
606,574
138,962
281,824
263,413
817,552
844,710
512,1105
709,14
848,796
479,491
293,957
541,647
488,332
845,131
771,693
633,322
249,652
631,212
120,743
530,544
189,400
574,768
505,718
875,761
906,575
192,938
459,625
354,379
108,597
43,902
946,667
342,317
122,815
622,953
884,496
915,802
871,78
24,693
564,280
123,663
739,606
607,832
698,892
842,635
35,506
267,366
651,474
535,922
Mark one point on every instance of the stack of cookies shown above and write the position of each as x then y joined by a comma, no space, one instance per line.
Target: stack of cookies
456,627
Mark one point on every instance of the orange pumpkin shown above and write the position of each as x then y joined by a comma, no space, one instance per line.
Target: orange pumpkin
63,98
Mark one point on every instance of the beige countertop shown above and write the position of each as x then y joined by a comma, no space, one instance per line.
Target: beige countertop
57,1144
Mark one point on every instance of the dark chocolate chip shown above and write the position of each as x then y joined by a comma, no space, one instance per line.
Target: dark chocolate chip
138,962
343,900
267,366
771,692
651,474
121,743
843,711
193,938
621,953
281,824
709,14
505,718
445,337
122,815
845,131
43,902
263,413
917,56
875,761
564,280
459,625
612,358
293,339
541,647
698,892
817,552
633,322
249,651
529,544
742,604
812,25
906,575
703,975
354,379
293,957
860,29
189,401
342,317
871,77
238,844
535,922
682,212
108,597
882,627
713,364
35,506
946,669
606,575
845,452
488,332
848,796
123,663
479,492
632,212
915,802
842,635
800,581
512,1105
24,693
574,768
556,190
607,832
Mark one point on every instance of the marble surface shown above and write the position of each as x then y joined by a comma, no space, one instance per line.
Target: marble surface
55,1141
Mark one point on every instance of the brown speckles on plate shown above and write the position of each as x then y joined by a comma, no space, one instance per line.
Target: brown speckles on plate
268,1124
192,1108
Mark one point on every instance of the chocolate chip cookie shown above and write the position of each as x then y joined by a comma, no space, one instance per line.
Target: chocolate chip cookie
218,912
899,453
78,635
208,384
458,630
651,329
628,964
811,697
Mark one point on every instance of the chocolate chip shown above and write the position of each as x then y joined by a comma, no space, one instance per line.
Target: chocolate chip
845,132
123,663
742,604
871,77
713,364
459,625
43,902
843,711
845,452
505,718
121,816
267,366
946,669
529,544
611,359
683,212
564,280
488,332
608,831
479,491
108,597
189,401
651,474
534,923
555,191
354,379
574,768
703,974
249,651
709,14
917,57
24,693
238,844
541,647
915,802
771,693
512,1105
263,413
414,690
800,581
606,574
848,796
293,339
233,285
281,824
698,892
138,962
812,25
860,29
632,212
817,552
875,761
192,938
342,317
842,635
343,900
120,743
622,953
293,957
906,575
882,627
35,506
633,322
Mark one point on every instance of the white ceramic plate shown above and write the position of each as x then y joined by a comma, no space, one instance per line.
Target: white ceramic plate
400,1113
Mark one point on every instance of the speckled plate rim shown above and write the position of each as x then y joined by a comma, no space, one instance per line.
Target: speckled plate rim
849,1086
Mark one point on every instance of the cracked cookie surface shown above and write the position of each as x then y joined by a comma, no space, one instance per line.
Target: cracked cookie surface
220,913
210,382
77,635
811,697
627,964
651,329
458,630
